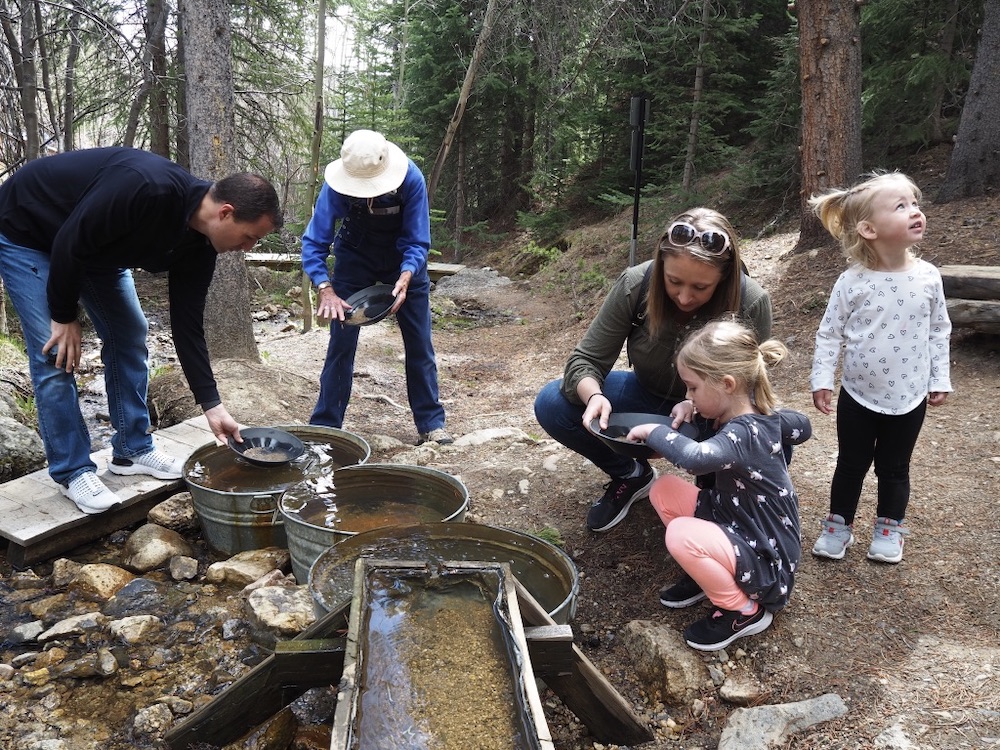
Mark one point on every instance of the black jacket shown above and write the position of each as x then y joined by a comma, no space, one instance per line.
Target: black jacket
109,208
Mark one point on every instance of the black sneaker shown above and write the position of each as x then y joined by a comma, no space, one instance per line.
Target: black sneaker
619,494
682,594
724,626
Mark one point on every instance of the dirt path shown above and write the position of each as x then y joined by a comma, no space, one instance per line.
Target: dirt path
913,644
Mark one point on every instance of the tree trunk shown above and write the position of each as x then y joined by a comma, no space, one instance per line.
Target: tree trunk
156,21
973,166
211,121
159,102
478,52
830,61
699,87
47,87
69,82
28,81
183,144
317,142
460,196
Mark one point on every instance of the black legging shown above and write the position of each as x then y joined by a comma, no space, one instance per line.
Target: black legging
864,436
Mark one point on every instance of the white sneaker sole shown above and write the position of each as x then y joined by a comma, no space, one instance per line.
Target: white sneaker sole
88,509
819,552
123,470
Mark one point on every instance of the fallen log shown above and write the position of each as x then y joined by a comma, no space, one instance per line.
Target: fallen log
971,282
980,315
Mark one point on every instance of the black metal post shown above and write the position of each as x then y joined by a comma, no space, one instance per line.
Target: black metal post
639,114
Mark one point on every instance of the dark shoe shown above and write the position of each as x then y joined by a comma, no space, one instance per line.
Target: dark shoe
619,494
440,436
723,626
682,594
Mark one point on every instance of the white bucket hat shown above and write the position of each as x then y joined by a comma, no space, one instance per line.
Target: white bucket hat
368,166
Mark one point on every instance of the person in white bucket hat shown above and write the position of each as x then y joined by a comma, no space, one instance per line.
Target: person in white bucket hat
373,211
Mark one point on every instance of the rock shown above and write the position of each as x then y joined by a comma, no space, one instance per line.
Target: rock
139,596
74,626
246,567
741,690
183,568
151,546
281,610
21,450
663,660
770,727
176,513
479,437
135,628
152,722
26,580
98,582
29,631
64,572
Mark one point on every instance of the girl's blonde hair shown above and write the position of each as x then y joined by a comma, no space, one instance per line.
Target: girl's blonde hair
659,306
725,347
841,210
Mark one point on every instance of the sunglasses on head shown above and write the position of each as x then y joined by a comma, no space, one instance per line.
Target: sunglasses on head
683,234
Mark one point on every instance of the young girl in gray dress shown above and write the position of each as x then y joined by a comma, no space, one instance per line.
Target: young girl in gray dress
889,317
738,542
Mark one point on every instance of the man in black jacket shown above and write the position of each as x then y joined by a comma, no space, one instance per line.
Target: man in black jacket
71,227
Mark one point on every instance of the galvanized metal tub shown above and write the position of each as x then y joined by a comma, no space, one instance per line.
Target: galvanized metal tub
546,571
237,502
364,498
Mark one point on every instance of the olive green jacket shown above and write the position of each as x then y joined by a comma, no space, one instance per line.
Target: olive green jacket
620,321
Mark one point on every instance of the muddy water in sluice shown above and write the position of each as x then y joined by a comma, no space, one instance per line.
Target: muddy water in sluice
223,470
435,671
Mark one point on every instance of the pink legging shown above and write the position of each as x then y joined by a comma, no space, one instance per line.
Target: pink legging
700,547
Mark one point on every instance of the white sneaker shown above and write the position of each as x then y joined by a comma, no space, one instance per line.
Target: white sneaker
155,463
90,494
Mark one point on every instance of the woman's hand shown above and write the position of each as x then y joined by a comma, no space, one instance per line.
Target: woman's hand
936,398
598,406
683,412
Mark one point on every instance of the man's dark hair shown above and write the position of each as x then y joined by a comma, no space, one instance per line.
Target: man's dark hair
251,197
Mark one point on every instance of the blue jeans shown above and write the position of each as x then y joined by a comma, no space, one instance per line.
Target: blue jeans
353,271
111,302
563,420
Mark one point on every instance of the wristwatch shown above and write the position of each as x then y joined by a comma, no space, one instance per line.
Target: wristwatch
323,285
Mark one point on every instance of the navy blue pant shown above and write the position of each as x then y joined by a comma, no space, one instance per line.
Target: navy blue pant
355,269
864,437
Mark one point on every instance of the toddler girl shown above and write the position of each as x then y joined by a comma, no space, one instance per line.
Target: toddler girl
888,316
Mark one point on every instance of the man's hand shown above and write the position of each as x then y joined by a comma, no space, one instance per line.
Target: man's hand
399,291
331,307
222,425
66,338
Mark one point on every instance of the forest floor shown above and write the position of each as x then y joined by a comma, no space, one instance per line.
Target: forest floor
915,645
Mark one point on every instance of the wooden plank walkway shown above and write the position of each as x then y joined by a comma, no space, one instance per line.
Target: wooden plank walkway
39,522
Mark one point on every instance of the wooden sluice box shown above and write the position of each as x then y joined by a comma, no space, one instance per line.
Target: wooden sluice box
318,657
436,657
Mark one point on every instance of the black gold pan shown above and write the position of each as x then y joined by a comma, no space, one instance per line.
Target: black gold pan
266,446
370,305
